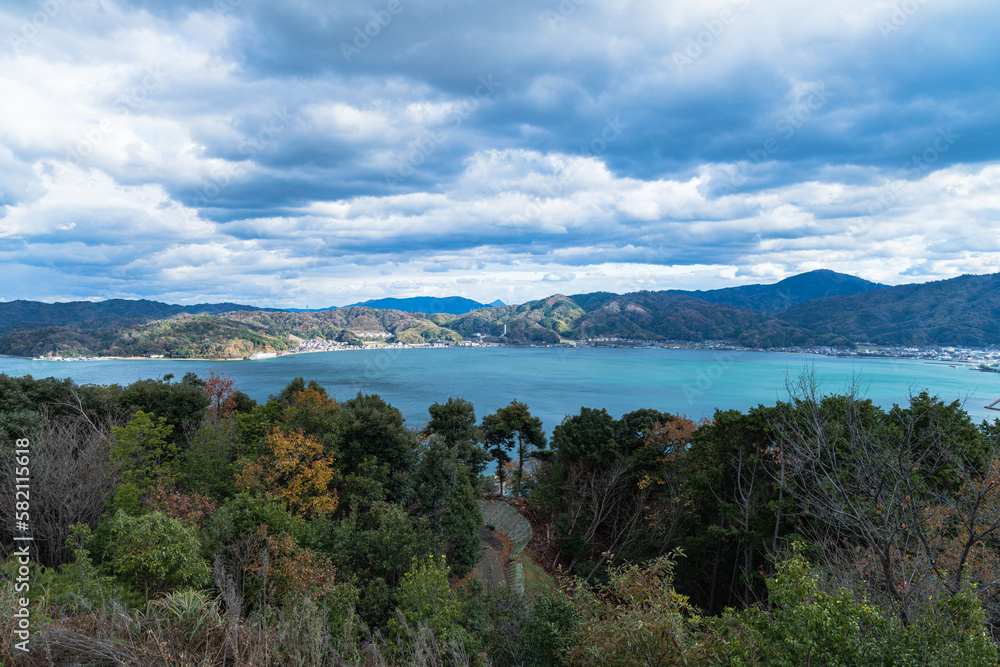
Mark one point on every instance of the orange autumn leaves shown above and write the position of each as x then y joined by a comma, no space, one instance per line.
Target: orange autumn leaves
294,470
672,439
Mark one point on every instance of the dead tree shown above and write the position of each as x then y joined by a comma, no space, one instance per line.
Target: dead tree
870,484
71,477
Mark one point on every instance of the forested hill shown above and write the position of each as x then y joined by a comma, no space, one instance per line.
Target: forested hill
960,311
667,316
29,315
454,305
788,292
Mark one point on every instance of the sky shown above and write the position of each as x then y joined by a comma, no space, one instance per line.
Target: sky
313,153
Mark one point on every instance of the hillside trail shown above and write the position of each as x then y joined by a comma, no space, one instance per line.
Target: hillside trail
492,566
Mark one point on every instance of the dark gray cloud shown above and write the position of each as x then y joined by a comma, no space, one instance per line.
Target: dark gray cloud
259,150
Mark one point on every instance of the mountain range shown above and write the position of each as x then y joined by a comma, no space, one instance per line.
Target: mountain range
815,308
788,292
455,305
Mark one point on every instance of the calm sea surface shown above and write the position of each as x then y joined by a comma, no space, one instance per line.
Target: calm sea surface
555,382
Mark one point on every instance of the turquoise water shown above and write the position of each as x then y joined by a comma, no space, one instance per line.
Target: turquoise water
554,382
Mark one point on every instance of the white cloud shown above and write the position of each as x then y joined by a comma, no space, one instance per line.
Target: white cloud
184,153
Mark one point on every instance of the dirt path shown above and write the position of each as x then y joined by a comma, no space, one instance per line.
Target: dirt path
492,566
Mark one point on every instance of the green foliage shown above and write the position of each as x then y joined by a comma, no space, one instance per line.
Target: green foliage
513,428
362,489
590,435
191,613
460,525
952,633
143,450
806,625
455,423
348,337
254,426
516,630
181,404
732,508
243,515
444,494
550,629
615,485
635,619
89,583
311,409
203,336
75,587
534,322
637,486
371,428
424,331
20,423
155,553
936,431
28,393
376,548
209,465
425,598
145,455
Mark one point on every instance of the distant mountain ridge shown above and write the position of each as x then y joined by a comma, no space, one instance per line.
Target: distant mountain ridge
23,315
959,311
786,293
454,305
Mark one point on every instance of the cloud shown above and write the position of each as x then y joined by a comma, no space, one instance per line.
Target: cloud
194,149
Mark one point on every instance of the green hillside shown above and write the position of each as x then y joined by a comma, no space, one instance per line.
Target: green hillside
961,311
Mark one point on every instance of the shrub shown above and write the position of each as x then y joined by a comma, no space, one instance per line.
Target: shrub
637,618
425,598
806,625
155,553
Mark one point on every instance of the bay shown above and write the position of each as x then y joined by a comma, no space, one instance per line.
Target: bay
555,382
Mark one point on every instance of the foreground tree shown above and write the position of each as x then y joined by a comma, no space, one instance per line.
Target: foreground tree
182,404
370,428
454,422
613,485
734,510
155,553
635,619
295,470
902,500
72,476
513,428
443,493
220,390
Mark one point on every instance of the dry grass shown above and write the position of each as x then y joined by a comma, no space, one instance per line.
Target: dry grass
189,629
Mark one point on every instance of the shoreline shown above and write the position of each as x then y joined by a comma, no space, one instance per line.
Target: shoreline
708,346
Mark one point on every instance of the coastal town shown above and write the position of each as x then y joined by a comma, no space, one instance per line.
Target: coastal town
984,359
